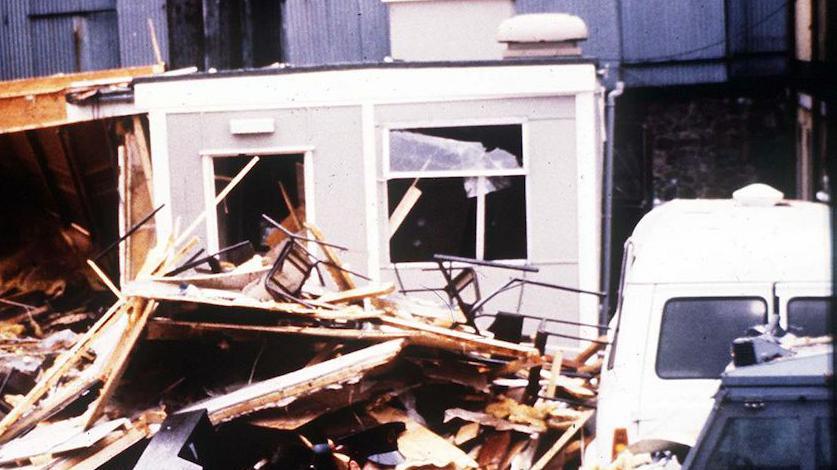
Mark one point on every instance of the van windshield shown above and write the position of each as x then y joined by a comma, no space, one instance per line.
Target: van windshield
696,334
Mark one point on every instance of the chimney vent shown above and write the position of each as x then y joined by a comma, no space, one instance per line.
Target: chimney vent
542,35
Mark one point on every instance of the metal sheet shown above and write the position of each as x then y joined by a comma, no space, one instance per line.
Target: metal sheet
15,47
134,38
73,43
323,31
758,26
662,30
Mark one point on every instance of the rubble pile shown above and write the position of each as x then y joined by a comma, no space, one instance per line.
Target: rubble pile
282,361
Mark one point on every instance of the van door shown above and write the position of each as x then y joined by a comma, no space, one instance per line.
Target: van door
805,307
689,344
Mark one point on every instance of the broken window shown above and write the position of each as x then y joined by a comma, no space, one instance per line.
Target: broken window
457,191
260,192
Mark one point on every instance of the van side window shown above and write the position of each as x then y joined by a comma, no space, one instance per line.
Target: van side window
808,316
696,334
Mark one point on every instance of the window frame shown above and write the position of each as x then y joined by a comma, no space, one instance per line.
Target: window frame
388,174
791,300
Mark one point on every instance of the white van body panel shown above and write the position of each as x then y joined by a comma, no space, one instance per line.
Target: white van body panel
700,249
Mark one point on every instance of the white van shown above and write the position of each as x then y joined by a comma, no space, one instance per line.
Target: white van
696,275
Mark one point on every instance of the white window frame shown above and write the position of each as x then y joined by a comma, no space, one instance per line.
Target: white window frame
389,174
209,156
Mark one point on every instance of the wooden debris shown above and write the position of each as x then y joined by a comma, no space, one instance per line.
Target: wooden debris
562,441
422,447
269,393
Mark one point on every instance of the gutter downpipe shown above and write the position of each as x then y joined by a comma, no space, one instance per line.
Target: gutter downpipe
607,223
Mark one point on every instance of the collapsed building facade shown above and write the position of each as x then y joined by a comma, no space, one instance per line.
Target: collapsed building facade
198,215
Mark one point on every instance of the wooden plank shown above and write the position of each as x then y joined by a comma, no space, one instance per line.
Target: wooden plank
40,102
562,441
118,362
589,351
221,298
554,372
358,293
108,451
269,393
343,279
52,83
434,336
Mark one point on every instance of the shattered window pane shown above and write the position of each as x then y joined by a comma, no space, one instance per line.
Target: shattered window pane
435,210
412,151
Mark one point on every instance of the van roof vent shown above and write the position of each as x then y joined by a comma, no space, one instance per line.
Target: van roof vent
758,195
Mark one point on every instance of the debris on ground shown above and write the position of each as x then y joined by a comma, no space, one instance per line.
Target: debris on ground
286,360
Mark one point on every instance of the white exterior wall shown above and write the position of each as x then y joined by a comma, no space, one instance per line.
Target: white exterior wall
339,119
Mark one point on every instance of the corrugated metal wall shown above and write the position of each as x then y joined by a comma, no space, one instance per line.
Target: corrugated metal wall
43,37
328,31
660,42
15,46
134,39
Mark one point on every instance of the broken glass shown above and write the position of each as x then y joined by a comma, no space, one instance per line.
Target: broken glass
411,151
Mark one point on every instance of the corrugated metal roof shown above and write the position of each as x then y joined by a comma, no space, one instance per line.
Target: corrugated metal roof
324,31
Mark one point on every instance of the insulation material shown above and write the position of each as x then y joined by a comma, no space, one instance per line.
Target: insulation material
411,151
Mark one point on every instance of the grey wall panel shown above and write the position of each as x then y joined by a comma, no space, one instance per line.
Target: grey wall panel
15,46
323,31
662,30
333,133
134,39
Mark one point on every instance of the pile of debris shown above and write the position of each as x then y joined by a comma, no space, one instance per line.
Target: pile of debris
255,366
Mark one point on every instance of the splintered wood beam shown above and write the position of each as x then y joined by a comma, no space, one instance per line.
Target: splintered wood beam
562,441
271,392
40,102
164,329
589,351
118,362
169,292
434,336
343,279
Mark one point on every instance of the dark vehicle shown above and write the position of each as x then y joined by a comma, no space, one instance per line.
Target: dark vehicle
771,415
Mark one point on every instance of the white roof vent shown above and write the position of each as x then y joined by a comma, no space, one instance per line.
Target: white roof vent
542,34
758,195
